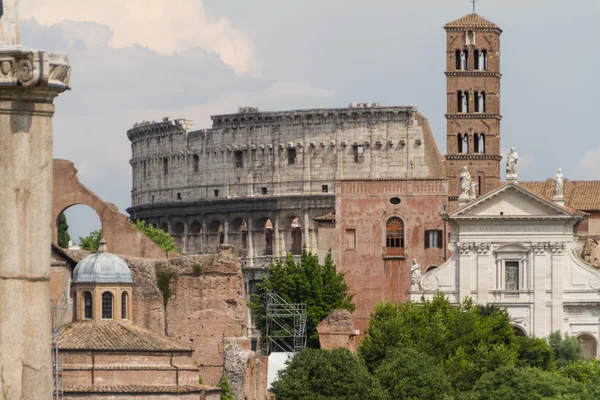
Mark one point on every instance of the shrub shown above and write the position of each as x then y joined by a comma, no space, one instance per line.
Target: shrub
534,352
566,349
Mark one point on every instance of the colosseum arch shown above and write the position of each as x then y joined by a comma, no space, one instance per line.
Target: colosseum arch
264,237
194,238
291,233
215,235
122,237
238,236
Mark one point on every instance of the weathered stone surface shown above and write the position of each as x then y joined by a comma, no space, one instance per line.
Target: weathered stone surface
337,330
235,365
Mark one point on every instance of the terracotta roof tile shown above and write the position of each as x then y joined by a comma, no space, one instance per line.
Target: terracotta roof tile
579,195
471,21
115,336
139,389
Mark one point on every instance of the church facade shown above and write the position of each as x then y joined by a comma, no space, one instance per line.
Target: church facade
517,250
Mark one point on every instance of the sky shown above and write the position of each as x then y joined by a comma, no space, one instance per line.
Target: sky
135,60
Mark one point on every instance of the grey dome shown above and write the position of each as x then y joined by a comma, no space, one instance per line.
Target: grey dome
102,268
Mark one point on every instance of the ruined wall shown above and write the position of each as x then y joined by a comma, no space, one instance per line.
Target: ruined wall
208,304
123,238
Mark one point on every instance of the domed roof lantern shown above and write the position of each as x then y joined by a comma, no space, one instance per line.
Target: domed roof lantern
102,267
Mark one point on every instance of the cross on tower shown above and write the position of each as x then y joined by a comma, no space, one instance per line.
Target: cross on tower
470,1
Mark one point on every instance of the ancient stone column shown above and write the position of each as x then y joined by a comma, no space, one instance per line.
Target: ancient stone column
29,82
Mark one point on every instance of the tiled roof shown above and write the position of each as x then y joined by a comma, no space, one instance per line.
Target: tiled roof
471,21
139,389
326,217
113,336
580,195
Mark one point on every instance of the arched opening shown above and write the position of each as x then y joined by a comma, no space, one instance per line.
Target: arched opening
465,146
483,60
470,38
459,142
124,305
76,224
481,101
476,62
263,237
457,55
88,306
194,240
296,226
482,143
589,345
394,237
459,101
432,268
164,226
268,238
215,235
519,332
107,305
178,230
238,236
475,143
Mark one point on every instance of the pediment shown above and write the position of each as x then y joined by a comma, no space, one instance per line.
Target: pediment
511,200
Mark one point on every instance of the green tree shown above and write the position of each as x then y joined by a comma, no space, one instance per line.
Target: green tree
534,352
226,392
511,383
408,374
468,339
566,349
163,239
92,241
63,231
338,374
318,285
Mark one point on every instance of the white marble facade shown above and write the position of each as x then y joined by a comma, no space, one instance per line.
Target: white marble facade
516,249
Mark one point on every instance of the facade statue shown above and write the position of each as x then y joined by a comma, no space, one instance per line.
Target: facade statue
473,190
415,269
465,182
463,61
9,23
511,163
559,184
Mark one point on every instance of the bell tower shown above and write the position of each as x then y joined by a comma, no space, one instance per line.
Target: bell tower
473,103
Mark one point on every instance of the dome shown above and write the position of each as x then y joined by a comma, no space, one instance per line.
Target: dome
102,267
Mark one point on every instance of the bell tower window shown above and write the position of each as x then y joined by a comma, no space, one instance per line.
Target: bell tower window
459,142
465,146
475,143
483,60
470,38
482,144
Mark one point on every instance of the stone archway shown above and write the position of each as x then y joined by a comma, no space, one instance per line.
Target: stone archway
122,237
589,345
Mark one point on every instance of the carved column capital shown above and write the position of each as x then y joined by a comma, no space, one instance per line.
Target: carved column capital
34,68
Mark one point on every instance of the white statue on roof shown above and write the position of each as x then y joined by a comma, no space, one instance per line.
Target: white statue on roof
9,23
511,164
465,183
559,185
415,269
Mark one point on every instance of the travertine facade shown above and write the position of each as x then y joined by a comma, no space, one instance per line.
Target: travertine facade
258,179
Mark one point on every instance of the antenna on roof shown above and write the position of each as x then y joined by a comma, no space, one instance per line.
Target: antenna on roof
474,2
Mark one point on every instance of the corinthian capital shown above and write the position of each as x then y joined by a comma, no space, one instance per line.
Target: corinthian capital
34,68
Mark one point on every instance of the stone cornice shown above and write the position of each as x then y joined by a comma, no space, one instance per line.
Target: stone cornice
474,74
474,28
167,126
314,116
473,157
34,68
473,116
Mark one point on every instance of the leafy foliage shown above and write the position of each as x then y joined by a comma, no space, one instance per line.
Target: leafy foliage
226,392
534,352
566,349
163,281
91,242
163,239
63,231
408,374
467,340
320,286
327,375
197,268
511,383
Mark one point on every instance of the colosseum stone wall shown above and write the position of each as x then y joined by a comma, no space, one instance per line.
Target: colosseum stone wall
258,179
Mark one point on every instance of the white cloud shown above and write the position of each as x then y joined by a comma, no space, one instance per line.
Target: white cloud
590,160
165,26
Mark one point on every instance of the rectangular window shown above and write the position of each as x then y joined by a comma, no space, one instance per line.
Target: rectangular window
433,239
350,239
239,159
264,190
325,188
196,163
178,196
291,156
359,154
216,193
165,165
511,271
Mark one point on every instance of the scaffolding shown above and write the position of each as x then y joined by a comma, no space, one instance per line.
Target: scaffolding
286,325
58,308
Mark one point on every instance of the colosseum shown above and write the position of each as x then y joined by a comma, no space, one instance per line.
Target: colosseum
258,180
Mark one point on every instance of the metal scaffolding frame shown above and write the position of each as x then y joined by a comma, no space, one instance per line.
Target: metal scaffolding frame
58,308
286,325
